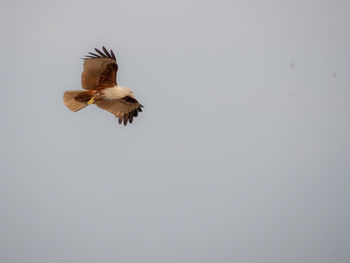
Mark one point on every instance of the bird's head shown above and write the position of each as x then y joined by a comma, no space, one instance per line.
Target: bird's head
126,91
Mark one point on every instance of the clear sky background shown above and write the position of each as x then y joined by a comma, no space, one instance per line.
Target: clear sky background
242,153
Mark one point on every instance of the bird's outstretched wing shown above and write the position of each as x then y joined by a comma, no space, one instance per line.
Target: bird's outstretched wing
100,70
125,109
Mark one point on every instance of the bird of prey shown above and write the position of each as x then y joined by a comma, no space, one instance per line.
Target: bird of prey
99,79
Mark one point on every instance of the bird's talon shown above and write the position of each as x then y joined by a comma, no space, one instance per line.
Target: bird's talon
92,100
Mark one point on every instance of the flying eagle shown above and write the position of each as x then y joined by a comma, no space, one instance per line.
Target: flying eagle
99,79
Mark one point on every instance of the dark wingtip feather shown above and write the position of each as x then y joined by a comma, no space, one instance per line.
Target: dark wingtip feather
125,120
93,54
128,117
101,53
112,54
106,52
131,117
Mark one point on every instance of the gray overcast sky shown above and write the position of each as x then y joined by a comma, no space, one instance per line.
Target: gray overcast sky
241,153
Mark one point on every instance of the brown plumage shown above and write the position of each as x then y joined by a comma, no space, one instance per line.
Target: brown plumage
99,79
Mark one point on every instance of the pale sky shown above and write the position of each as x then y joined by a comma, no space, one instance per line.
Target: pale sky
242,153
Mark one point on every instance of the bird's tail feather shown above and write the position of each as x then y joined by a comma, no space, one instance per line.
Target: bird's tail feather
75,99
